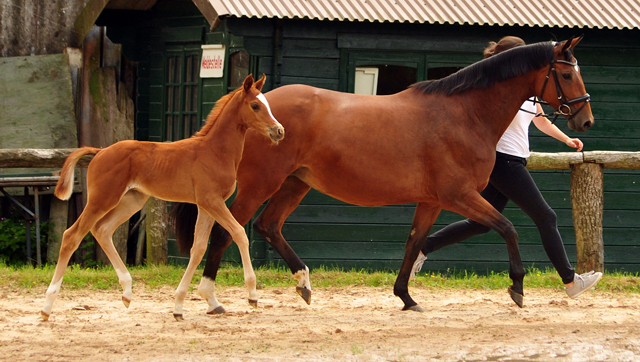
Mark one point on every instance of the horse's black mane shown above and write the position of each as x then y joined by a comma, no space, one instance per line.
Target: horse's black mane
487,72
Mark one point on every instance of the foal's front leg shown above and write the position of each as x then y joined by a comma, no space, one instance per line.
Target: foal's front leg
224,217
201,236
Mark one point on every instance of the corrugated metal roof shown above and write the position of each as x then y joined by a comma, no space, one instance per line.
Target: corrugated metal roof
612,14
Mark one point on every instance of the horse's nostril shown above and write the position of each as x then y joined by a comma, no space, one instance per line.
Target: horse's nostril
587,124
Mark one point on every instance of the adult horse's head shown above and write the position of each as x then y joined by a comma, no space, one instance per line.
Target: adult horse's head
563,89
255,111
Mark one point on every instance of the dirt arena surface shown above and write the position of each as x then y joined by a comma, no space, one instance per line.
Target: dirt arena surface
341,324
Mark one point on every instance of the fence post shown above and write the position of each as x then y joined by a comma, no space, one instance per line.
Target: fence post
587,201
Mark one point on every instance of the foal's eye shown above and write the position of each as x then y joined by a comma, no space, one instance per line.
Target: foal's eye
567,76
255,107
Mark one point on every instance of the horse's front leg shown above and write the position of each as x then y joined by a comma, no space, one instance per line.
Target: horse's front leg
423,219
224,217
269,225
201,236
476,208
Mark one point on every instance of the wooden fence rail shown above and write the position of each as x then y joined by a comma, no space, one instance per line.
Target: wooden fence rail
586,187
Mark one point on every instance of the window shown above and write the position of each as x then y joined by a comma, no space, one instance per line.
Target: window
383,73
182,89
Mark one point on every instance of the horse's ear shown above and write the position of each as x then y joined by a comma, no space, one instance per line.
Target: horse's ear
260,82
566,45
576,41
248,82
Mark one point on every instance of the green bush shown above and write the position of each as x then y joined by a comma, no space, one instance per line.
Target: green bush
13,240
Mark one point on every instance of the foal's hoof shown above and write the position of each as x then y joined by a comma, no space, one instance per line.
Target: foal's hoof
126,301
218,310
178,317
415,308
516,297
253,303
44,315
304,293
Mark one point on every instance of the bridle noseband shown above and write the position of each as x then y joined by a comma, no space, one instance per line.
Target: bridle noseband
565,105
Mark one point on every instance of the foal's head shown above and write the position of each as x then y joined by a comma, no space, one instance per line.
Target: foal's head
255,111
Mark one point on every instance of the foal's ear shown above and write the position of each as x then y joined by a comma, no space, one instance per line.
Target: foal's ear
260,82
248,82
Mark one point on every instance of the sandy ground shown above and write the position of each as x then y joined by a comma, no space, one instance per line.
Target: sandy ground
345,324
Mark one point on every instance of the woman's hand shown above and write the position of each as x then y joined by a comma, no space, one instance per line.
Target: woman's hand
575,143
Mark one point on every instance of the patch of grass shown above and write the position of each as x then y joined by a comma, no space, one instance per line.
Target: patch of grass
104,277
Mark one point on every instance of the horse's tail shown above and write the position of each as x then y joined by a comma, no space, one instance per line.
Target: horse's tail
183,217
64,188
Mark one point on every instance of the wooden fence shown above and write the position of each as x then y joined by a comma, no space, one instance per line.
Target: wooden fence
586,187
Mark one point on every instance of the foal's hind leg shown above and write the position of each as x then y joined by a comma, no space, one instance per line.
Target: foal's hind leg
70,241
269,225
103,231
201,236
423,219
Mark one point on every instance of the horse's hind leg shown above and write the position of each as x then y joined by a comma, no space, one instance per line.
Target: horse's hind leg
423,219
269,225
70,241
201,236
476,208
103,231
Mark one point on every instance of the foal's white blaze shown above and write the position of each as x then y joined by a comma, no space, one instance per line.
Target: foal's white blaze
263,99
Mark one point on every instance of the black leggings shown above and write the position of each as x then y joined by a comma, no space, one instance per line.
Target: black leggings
510,180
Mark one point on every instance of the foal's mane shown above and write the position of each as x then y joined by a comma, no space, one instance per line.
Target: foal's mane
487,72
215,113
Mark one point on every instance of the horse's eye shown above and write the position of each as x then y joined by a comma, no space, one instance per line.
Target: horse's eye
255,107
567,76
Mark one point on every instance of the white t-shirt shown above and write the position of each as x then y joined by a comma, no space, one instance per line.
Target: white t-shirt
515,140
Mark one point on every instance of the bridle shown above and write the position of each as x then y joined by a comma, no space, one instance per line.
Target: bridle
565,104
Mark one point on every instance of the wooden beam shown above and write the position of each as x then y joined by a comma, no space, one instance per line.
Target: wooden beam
87,18
207,10
553,161
614,159
38,158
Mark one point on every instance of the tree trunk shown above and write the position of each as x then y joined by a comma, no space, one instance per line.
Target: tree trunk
587,200
156,229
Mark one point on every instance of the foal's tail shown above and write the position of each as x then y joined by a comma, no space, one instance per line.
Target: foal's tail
64,188
183,217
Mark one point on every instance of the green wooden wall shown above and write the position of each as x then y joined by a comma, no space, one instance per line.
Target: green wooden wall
324,231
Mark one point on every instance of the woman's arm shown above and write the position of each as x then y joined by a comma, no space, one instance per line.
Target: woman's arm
550,129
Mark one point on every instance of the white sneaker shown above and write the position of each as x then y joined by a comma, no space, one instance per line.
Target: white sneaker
582,283
417,265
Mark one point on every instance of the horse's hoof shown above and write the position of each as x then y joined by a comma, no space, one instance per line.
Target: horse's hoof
44,315
253,303
126,301
218,310
415,308
178,317
516,297
304,293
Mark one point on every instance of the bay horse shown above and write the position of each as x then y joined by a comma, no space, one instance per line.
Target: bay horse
433,144
199,170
